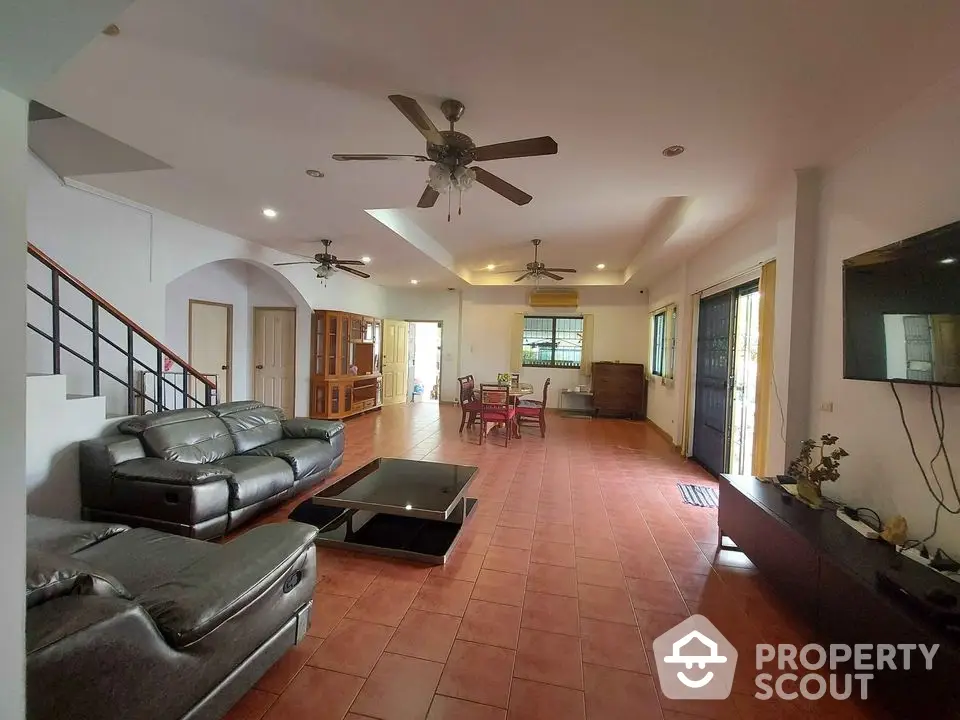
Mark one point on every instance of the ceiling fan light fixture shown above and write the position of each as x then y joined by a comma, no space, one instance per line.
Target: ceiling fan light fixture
442,179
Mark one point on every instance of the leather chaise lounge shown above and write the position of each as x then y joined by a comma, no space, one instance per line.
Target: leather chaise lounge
203,472
144,625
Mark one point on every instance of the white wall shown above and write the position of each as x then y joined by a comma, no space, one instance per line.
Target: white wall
13,239
54,426
900,180
128,254
620,330
439,305
244,287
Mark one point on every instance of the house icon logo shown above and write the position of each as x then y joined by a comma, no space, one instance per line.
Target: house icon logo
695,661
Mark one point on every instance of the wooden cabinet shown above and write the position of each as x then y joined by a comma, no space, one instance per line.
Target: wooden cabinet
620,390
345,364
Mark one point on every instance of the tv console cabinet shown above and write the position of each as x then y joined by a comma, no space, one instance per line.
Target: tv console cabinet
828,572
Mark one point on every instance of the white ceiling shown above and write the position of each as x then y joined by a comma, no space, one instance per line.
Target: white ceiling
241,96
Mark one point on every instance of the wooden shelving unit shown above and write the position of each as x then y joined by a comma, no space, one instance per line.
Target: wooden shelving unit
346,363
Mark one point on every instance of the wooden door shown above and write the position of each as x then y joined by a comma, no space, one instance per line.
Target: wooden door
210,340
395,349
946,348
274,357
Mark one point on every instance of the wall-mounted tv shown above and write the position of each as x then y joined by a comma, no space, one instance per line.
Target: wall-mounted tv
901,310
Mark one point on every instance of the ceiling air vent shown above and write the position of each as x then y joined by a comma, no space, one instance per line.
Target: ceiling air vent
554,298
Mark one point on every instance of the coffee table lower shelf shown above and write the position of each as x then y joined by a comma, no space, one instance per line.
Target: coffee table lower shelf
380,533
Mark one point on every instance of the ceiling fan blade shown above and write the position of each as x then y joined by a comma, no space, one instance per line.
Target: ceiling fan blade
530,147
351,271
551,275
350,262
556,270
429,198
414,113
502,187
508,272
523,277
298,262
373,156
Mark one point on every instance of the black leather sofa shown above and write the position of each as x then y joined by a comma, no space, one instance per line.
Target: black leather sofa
143,625
202,472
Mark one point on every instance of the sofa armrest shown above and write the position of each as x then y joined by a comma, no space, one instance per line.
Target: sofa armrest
298,428
211,591
170,472
165,494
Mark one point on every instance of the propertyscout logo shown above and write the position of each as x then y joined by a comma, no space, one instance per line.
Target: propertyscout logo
696,662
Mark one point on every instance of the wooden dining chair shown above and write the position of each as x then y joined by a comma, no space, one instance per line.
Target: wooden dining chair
497,407
534,411
469,405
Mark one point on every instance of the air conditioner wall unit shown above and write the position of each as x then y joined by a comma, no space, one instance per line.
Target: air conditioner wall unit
554,298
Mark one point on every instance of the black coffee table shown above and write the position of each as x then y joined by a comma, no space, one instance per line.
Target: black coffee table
391,506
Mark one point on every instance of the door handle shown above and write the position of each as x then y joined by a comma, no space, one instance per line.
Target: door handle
259,367
223,367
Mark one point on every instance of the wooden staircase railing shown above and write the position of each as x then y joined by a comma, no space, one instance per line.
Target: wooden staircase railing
163,381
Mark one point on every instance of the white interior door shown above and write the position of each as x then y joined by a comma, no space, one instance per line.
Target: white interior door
210,345
274,357
395,348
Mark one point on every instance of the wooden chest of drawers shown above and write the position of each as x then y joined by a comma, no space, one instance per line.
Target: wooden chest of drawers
620,390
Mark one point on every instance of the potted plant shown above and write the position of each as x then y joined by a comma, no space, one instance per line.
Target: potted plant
817,463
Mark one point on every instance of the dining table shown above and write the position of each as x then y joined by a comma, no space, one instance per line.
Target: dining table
515,392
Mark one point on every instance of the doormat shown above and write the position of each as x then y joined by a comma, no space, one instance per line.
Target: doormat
699,495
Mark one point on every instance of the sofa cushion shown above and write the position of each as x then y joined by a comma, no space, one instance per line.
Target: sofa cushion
193,436
143,558
306,457
50,575
252,427
256,478
67,536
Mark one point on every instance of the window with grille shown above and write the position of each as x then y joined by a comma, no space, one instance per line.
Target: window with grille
663,328
553,342
658,357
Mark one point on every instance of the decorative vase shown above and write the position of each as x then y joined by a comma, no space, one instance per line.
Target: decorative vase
809,492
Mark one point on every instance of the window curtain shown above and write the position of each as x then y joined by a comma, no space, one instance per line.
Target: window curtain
516,343
586,346
761,436
686,414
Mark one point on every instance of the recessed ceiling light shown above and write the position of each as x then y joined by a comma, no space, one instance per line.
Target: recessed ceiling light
315,173
491,266
948,261
414,282
269,212
365,258
601,266
673,150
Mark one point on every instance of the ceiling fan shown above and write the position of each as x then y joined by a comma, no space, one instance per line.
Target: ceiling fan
537,269
452,152
327,264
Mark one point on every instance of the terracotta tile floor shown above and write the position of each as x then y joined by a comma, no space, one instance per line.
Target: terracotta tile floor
580,554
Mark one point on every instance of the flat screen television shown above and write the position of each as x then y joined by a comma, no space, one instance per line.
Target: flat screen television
901,310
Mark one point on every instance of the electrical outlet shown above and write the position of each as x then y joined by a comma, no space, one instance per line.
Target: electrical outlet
827,406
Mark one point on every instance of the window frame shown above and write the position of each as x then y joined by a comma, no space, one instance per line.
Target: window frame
658,338
664,366
553,336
